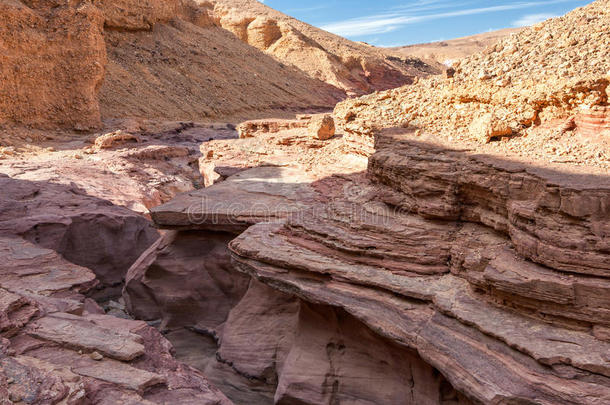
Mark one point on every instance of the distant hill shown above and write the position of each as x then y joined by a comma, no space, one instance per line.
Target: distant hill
445,52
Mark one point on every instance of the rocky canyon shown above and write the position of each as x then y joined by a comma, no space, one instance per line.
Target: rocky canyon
211,202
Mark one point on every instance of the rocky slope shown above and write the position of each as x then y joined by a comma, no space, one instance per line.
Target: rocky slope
533,91
188,68
354,67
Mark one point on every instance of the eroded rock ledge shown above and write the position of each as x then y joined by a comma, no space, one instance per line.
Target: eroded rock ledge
446,271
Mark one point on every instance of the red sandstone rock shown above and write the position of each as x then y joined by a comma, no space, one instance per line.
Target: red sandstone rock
136,175
427,254
251,196
46,358
61,218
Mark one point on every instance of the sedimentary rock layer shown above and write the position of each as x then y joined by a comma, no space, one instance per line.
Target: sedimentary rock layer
493,271
555,218
155,286
57,345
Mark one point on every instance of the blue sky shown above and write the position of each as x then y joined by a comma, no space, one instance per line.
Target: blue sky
394,23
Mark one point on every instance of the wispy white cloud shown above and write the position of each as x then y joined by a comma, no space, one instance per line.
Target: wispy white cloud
308,9
531,19
396,18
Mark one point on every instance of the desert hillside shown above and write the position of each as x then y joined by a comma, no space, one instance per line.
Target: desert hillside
199,71
354,67
188,59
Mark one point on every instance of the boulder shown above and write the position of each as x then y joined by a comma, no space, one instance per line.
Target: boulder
488,126
252,128
322,127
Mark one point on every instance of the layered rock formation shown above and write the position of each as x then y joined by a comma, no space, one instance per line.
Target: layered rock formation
61,218
444,268
475,272
376,262
436,263
485,272
138,167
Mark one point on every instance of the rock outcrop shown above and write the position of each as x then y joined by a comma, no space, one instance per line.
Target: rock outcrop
57,346
441,282
55,351
155,285
61,218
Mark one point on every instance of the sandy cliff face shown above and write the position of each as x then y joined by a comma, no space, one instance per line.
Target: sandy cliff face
52,63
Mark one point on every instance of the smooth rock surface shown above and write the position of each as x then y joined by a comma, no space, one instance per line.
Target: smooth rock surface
61,218
185,279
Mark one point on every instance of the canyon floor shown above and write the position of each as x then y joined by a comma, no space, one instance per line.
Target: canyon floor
241,208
